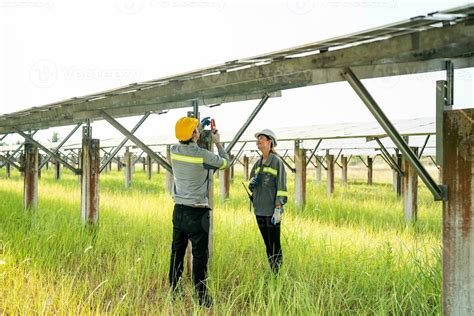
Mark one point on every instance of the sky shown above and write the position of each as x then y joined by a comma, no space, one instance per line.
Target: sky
53,50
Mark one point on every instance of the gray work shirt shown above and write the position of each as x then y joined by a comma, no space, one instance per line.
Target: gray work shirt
192,169
271,185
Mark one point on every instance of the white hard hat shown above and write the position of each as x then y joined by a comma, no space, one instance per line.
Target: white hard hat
268,133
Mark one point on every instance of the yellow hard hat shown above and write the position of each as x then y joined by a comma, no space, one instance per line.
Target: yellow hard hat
185,127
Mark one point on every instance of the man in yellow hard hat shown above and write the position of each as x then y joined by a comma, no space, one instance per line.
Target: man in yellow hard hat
192,169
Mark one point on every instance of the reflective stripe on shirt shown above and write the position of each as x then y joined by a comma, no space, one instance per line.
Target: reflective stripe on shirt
197,160
268,170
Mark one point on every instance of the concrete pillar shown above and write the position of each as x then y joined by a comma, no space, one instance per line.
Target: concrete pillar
370,162
22,160
119,164
40,158
330,174
128,167
394,176
231,169
31,177
169,176
344,170
300,175
410,191
90,165
7,170
458,213
224,177
149,163
8,167
132,162
399,177
57,170
319,171
246,168
79,164
106,169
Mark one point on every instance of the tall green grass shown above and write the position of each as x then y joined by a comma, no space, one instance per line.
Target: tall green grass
351,253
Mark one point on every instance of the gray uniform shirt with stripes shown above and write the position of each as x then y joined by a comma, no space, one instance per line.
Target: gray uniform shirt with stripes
192,168
271,185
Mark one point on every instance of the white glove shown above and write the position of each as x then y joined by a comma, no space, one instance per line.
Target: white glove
277,214
216,138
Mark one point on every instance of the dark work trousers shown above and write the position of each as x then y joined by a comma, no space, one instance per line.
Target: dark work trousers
271,237
190,223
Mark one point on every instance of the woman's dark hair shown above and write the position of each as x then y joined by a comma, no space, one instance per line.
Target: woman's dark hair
272,149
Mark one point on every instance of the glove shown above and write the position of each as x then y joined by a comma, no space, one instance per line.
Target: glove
277,214
253,183
216,138
205,122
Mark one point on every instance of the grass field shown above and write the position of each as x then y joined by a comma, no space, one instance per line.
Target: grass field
350,253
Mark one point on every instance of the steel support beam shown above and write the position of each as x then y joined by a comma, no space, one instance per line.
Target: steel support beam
314,151
320,162
123,142
439,192
18,148
137,159
49,152
254,113
135,140
55,150
293,170
363,161
9,161
441,107
388,157
424,146
236,157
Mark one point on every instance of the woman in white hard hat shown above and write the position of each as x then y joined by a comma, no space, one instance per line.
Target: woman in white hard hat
268,184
